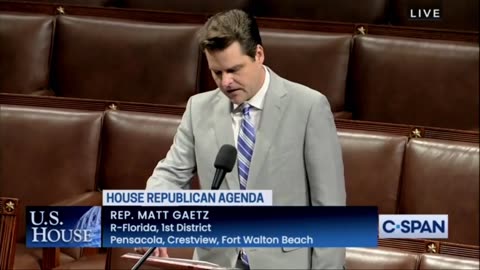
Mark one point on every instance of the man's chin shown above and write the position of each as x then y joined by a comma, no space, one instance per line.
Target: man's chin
236,99
237,102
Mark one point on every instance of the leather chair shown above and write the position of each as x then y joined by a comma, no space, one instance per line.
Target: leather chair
380,258
209,7
134,144
373,167
435,261
442,177
25,52
87,3
113,59
415,81
367,11
46,149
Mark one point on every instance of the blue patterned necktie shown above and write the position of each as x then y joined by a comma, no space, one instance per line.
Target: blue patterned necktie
245,145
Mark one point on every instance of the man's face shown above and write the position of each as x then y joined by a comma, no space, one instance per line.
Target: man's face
237,75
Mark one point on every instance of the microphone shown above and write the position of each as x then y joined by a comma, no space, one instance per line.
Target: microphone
226,157
144,258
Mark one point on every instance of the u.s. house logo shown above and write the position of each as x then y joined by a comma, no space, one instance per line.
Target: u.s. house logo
64,226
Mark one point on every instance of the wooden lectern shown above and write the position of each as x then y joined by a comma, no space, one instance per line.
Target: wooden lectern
170,263
8,230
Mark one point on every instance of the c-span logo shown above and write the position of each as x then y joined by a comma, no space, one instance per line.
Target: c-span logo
413,226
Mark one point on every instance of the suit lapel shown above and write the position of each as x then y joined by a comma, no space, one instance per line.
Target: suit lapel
274,107
224,134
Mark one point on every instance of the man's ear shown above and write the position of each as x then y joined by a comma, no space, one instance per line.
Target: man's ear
260,54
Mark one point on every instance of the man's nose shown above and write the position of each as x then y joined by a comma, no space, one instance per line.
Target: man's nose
226,80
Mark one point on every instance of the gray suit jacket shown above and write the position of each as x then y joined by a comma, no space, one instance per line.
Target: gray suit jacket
297,155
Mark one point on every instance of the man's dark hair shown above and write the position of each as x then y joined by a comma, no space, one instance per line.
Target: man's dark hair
224,28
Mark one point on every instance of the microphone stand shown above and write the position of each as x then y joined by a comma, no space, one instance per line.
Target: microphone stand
225,152
144,258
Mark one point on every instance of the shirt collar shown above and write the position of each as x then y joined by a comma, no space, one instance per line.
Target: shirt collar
257,101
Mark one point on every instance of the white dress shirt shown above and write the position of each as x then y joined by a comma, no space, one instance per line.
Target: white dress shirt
256,102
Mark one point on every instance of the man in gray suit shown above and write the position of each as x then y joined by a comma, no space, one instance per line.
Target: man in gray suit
284,133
